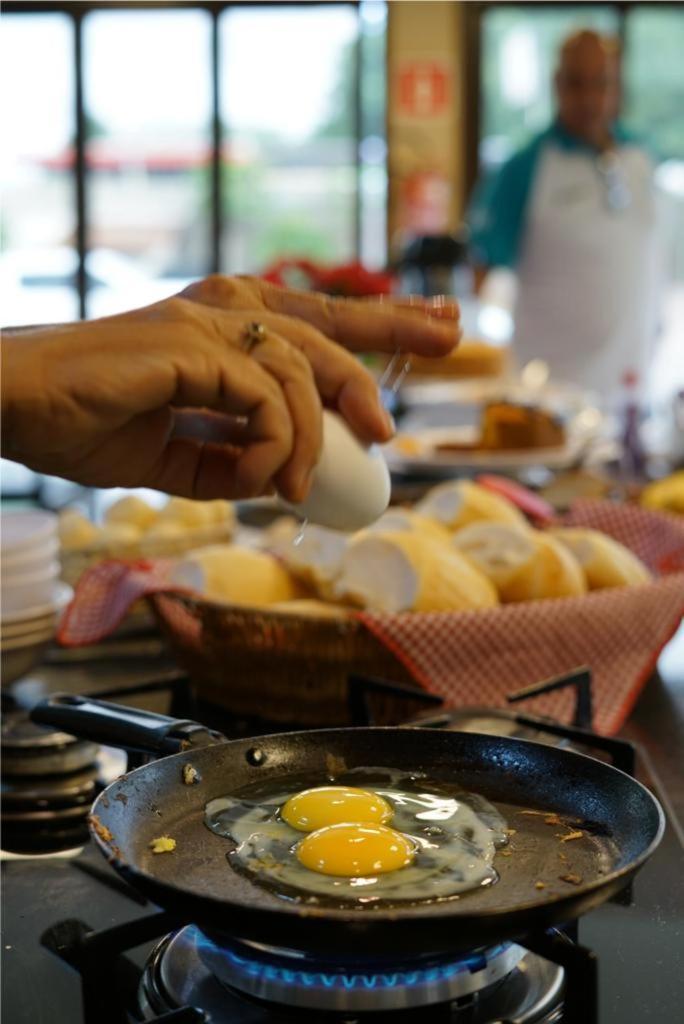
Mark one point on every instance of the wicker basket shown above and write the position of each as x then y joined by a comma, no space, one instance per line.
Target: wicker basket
285,668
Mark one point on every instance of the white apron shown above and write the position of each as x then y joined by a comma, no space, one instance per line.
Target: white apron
587,274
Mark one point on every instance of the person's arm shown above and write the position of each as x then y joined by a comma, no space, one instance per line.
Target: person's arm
497,214
174,398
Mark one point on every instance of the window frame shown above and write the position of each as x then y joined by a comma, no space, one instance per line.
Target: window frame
220,211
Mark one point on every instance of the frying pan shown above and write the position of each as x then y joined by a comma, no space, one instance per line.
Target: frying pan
621,822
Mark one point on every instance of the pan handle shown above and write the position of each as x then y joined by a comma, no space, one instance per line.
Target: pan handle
119,726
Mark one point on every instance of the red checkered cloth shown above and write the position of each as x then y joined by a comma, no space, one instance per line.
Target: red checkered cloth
478,657
105,594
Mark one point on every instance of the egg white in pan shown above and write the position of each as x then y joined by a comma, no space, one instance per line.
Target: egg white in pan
384,836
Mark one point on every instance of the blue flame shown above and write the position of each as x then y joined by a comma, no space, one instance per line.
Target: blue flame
351,980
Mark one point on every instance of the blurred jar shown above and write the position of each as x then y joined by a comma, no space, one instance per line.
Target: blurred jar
436,265
676,446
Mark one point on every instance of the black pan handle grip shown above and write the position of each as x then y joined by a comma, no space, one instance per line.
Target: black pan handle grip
119,726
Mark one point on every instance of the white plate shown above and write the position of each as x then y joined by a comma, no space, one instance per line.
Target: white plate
556,395
18,661
23,529
25,560
10,630
438,463
33,639
30,589
62,595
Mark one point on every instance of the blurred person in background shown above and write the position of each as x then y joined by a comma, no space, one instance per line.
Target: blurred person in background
573,214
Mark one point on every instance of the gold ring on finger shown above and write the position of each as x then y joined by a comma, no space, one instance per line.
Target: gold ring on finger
252,334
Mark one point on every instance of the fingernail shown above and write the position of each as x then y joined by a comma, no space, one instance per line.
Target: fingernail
302,485
390,424
443,308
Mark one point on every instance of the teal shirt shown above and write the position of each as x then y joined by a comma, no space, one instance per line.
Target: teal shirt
499,206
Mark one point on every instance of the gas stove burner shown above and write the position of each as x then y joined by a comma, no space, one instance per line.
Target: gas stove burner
294,978
188,969
29,749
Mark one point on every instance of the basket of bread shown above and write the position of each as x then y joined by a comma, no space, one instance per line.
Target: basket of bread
133,529
460,594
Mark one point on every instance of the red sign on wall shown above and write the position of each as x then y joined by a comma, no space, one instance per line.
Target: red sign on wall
423,88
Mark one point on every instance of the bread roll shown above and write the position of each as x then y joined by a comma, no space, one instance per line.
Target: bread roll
407,520
191,514
665,495
458,503
75,531
397,572
113,535
604,561
472,358
165,529
312,554
132,511
235,575
221,512
497,549
523,564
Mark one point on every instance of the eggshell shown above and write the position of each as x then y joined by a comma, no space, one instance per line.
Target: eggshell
351,484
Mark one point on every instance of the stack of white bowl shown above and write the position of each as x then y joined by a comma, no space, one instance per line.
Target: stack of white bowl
32,595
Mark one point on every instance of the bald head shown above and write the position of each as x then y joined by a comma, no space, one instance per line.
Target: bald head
588,86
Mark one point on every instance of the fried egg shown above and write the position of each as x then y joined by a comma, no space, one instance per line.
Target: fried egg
332,805
397,838
355,851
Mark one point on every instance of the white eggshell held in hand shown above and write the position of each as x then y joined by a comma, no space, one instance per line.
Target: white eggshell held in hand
351,483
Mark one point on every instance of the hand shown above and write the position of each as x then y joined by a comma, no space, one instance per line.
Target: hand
167,396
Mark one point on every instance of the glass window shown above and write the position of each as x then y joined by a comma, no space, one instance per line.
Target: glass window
147,83
287,77
38,259
519,46
654,82
654,102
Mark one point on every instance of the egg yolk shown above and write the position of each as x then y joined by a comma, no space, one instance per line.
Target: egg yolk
332,805
355,850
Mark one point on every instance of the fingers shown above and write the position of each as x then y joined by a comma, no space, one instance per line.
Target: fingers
439,307
273,376
197,468
367,326
294,373
360,325
340,379
215,383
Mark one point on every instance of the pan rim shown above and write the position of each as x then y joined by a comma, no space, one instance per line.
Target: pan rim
380,918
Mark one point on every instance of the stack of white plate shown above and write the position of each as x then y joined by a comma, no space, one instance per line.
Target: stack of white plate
32,595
